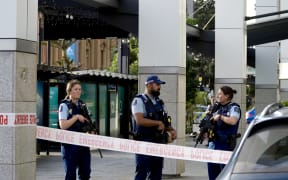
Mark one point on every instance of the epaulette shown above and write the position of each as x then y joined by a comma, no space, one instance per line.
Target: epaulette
68,102
143,97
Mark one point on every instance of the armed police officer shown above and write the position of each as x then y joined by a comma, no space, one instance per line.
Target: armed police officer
71,118
226,121
151,124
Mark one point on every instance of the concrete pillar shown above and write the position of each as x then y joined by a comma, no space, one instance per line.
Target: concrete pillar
18,59
266,62
283,59
162,51
230,50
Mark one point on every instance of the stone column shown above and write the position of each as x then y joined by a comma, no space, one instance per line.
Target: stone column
266,62
18,60
230,50
162,52
283,59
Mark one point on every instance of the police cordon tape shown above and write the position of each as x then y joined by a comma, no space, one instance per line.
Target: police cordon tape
18,119
114,144
132,146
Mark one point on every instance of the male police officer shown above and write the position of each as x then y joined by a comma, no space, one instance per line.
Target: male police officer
148,125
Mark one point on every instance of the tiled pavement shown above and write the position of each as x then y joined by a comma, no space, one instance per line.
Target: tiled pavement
113,166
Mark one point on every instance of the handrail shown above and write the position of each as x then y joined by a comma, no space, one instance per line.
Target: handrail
265,15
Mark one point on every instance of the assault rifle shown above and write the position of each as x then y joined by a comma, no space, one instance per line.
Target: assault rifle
88,126
168,127
207,126
167,135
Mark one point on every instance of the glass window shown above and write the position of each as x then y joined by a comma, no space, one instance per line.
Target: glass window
89,97
265,151
53,106
121,95
40,95
122,114
114,122
103,109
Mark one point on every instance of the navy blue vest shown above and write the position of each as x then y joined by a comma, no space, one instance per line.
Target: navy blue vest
154,112
223,129
73,109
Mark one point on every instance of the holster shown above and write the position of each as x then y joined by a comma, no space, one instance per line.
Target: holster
230,140
157,137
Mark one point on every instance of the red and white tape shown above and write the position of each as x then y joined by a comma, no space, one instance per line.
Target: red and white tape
132,146
18,119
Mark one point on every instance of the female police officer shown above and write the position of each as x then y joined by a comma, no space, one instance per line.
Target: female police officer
226,121
74,156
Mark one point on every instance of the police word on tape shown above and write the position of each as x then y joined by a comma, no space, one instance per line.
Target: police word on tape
132,146
18,119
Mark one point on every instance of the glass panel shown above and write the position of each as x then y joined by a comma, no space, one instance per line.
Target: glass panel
121,96
103,109
40,102
53,106
124,123
89,97
114,124
265,151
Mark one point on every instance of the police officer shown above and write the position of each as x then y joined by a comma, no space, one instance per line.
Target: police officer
74,156
147,110
226,121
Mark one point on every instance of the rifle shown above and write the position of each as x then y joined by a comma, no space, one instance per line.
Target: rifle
88,125
207,126
168,128
167,123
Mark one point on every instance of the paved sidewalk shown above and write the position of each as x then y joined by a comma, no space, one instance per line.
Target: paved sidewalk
113,166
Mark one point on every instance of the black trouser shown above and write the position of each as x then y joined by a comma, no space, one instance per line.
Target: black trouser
148,166
76,157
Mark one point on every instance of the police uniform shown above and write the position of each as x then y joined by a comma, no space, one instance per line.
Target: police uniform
152,108
225,135
74,156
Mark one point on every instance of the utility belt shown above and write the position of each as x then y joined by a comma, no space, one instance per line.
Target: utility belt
156,137
230,140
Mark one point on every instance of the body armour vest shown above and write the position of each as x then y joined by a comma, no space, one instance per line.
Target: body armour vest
153,112
73,109
223,129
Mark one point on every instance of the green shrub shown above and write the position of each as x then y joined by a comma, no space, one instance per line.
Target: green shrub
201,97
284,103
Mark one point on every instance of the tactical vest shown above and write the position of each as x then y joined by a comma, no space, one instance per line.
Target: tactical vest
222,129
153,112
73,109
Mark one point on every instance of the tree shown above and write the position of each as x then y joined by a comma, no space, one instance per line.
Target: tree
134,67
191,81
65,62
197,66
133,58
204,12
114,64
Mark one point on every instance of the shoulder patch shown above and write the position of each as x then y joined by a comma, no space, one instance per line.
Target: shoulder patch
236,109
